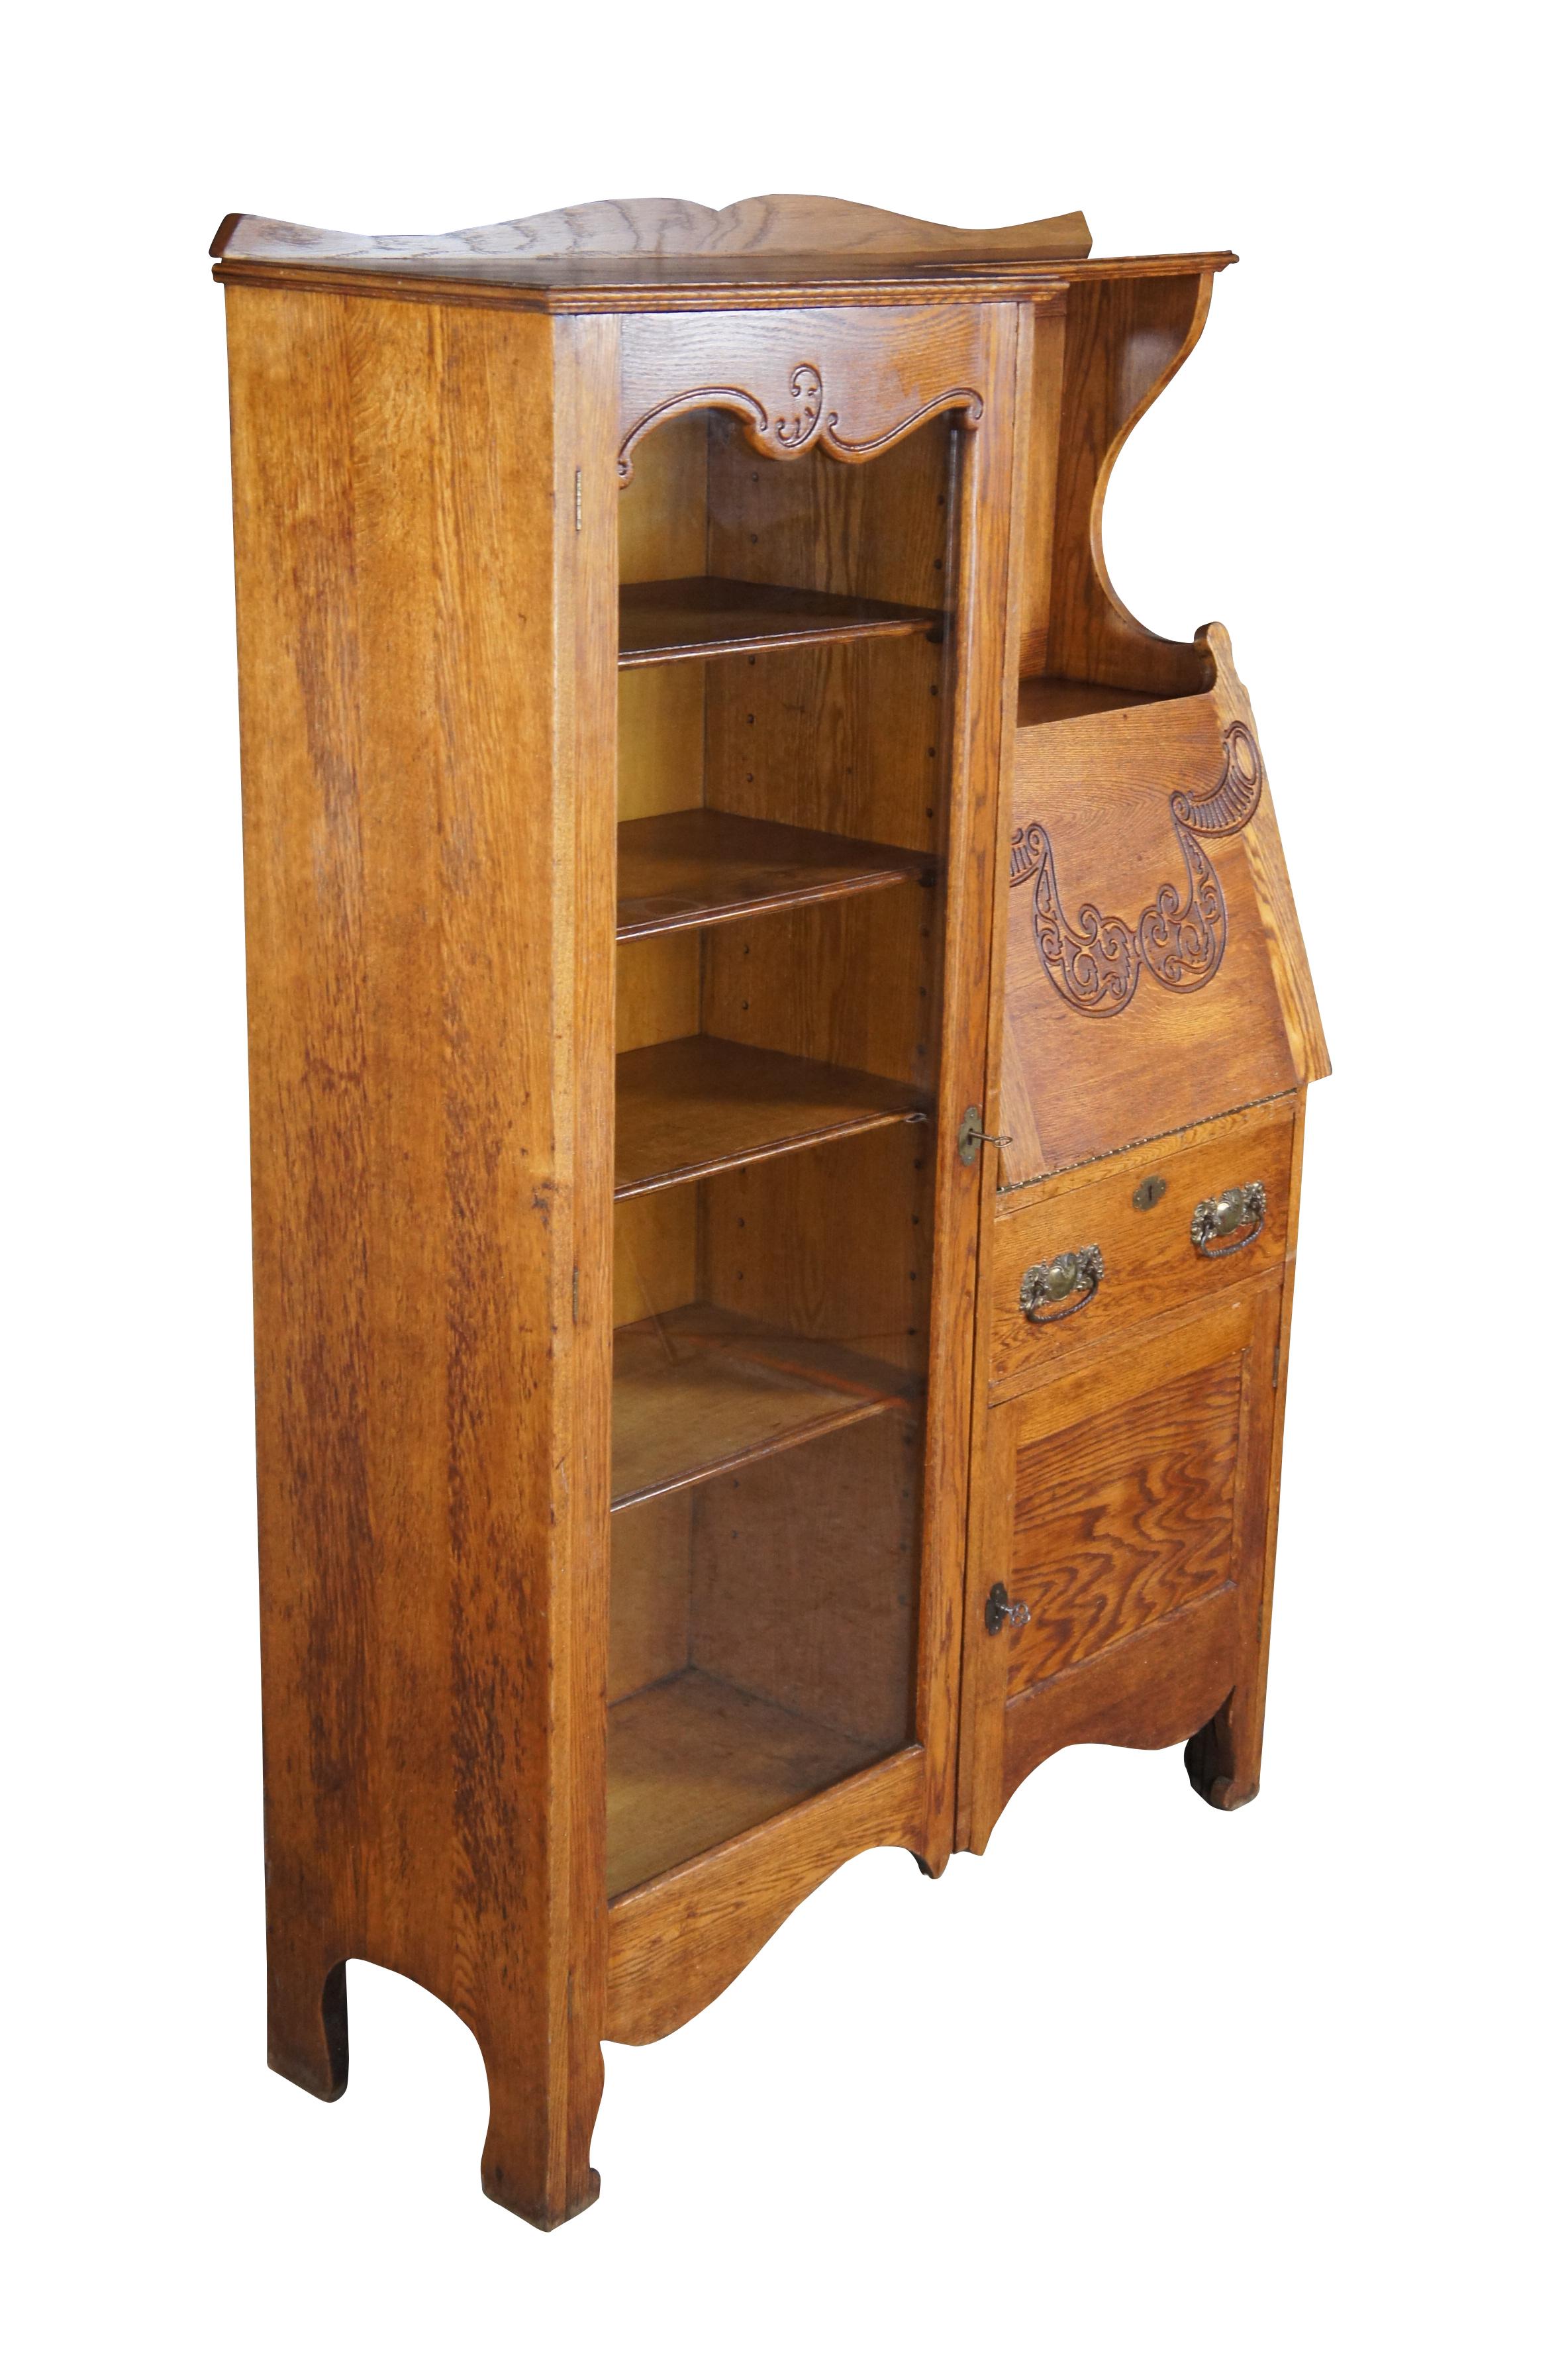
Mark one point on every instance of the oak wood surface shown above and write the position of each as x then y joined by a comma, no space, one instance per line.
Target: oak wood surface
1124,342
805,1573
788,977
1225,1758
665,253
1150,1262
1110,1501
427,869
659,989
793,227
838,1245
662,521
1108,793
988,1511
1147,1690
1122,1519
678,1941
1044,697
694,1106
693,869
850,383
1040,406
458,474
693,1760
701,1390
704,616
1293,984
650,1593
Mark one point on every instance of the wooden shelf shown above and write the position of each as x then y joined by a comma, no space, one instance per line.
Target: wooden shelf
703,1105
703,1389
694,1761
708,615
1048,698
689,869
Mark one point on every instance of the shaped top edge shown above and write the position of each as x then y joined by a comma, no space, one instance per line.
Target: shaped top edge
669,227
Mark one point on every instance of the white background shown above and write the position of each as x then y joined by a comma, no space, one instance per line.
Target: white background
1148,2081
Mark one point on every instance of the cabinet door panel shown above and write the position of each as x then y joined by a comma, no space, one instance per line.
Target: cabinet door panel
1124,1512
1122,1519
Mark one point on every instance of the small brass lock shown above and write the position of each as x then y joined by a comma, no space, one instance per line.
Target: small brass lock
971,1133
1149,1192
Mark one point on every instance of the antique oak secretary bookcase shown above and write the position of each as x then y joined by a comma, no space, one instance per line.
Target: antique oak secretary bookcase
777,1037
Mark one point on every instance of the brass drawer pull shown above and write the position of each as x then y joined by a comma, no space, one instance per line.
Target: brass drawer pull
1217,1223
1049,1291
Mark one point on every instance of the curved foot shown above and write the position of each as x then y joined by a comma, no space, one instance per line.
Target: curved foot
307,2031
1211,1767
928,1870
535,2162
495,2184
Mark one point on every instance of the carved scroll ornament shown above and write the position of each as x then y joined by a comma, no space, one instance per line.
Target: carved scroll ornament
794,430
1095,966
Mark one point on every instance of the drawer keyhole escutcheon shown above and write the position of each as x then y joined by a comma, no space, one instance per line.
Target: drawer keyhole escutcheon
1050,1291
1149,1192
1225,1225
1000,1609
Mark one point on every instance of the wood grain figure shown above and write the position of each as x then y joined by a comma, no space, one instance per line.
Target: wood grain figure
779,1038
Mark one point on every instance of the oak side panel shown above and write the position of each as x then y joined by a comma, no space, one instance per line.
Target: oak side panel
428,1165
1125,340
1225,1758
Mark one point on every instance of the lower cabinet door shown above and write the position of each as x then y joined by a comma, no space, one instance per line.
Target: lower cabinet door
1118,1555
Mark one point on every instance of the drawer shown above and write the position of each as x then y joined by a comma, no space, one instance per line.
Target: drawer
1141,1247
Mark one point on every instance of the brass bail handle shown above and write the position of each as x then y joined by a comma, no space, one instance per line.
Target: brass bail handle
1225,1225
1050,1291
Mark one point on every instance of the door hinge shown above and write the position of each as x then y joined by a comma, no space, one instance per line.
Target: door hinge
1000,1609
578,500
971,1134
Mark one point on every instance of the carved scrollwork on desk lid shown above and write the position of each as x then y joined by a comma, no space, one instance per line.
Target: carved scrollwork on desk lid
1179,939
795,430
